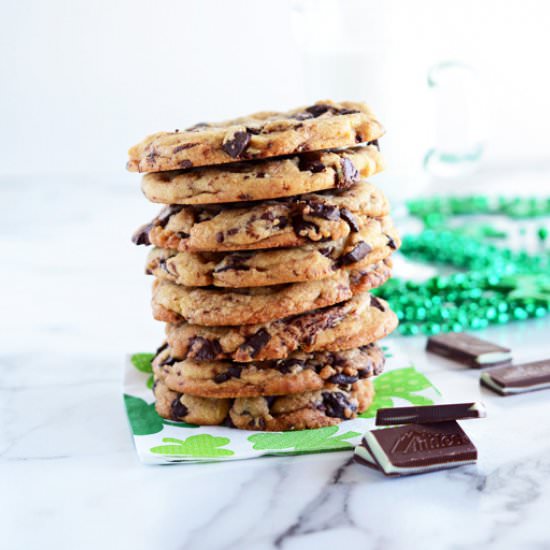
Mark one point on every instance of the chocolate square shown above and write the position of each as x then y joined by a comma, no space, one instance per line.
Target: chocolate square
518,378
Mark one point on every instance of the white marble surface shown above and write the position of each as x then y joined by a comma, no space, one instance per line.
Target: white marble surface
74,301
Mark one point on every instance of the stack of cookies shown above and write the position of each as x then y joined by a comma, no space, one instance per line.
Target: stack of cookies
263,261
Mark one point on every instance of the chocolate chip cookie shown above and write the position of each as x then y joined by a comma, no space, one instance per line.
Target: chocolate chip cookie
264,179
297,373
300,411
249,306
375,241
292,221
324,125
360,321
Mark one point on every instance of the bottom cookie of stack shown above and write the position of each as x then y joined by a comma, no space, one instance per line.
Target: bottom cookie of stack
303,391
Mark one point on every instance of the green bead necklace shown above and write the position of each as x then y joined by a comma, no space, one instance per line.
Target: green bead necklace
498,285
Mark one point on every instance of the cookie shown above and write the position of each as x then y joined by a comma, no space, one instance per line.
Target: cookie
324,125
300,411
375,241
298,373
292,221
249,306
360,321
264,179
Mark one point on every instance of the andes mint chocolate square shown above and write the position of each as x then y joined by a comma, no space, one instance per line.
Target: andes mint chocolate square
469,350
427,414
518,378
417,448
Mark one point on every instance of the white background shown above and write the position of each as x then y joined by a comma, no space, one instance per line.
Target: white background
82,81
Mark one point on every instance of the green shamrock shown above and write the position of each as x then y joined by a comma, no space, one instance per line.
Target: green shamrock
143,418
402,383
142,362
303,441
197,446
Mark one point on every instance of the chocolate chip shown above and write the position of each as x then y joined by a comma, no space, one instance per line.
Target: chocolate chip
302,227
342,379
232,231
347,216
165,214
182,235
326,251
270,399
222,377
324,211
349,174
254,131
178,409
186,163
268,215
260,423
335,405
374,143
318,110
284,366
182,147
236,146
310,163
281,223
358,138
152,155
346,111
169,361
391,242
359,251
256,342
161,349
219,237
141,236
260,175
375,302
203,349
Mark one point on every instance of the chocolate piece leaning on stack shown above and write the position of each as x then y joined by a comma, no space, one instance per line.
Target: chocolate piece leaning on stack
263,261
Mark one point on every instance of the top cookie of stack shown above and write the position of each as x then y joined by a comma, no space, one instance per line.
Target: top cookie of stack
267,249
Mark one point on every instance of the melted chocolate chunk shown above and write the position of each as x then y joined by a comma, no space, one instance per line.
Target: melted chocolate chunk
233,231
254,131
256,342
182,235
341,378
284,366
318,110
178,409
326,251
349,174
336,403
161,349
165,214
359,251
236,146
375,302
310,163
302,227
203,349
324,211
219,237
141,236
347,216
282,222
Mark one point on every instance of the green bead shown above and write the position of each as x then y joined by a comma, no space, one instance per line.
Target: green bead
503,318
431,328
408,329
520,313
542,233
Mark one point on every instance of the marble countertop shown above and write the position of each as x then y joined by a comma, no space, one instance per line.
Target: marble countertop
75,302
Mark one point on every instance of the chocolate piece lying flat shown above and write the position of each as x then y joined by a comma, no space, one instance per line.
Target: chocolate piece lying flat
417,448
469,350
429,413
518,378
